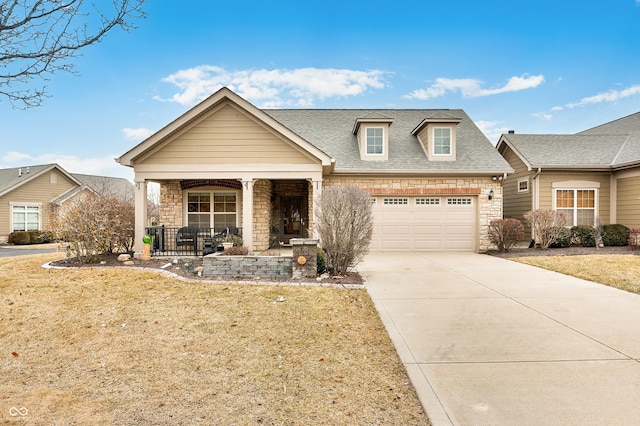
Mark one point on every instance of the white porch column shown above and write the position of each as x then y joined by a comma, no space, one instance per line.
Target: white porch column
247,213
317,196
140,213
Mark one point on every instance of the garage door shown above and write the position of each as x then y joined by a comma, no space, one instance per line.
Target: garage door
424,223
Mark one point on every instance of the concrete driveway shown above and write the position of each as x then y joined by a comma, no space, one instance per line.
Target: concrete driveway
487,341
11,251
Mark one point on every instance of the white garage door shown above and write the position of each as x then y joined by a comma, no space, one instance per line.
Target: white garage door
424,223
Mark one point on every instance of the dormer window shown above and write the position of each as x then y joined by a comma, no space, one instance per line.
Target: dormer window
372,134
437,137
441,141
375,142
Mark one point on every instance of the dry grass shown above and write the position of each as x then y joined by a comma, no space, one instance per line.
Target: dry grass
89,346
619,271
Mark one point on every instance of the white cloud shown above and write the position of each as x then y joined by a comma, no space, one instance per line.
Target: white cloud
472,88
100,166
273,88
136,135
491,130
543,116
610,96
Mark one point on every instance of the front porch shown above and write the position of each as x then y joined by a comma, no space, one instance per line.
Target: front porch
258,214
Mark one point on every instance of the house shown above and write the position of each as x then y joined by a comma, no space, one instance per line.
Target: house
29,195
592,175
226,164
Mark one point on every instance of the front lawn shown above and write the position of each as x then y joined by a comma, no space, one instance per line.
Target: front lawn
113,346
620,271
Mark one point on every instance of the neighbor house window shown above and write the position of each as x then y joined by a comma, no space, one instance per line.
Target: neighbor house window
375,141
442,141
212,209
25,217
578,204
523,185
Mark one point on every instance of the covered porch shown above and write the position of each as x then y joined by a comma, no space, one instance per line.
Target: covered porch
198,215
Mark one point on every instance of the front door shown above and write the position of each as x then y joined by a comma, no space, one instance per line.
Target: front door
291,215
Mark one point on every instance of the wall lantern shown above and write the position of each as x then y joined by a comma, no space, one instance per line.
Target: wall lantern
490,196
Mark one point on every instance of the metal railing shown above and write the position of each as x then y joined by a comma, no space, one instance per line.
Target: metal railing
189,240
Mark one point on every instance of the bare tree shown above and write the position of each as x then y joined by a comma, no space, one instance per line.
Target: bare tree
40,37
345,226
548,225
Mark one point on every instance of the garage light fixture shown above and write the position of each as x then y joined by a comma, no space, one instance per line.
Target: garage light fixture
490,196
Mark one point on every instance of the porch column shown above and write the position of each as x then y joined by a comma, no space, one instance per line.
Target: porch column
247,213
140,192
317,196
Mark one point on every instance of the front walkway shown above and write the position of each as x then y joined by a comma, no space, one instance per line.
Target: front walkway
487,341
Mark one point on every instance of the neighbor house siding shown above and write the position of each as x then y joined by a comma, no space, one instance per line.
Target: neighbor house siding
40,190
628,202
516,204
546,180
229,136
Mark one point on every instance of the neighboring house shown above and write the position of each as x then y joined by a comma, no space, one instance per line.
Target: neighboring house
227,164
592,175
30,194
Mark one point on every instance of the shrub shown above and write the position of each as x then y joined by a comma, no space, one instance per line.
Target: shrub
344,225
236,251
634,238
95,223
548,225
615,235
505,233
321,261
563,239
20,238
40,237
583,235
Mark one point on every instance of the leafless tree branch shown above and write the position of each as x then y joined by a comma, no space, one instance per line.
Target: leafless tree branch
39,38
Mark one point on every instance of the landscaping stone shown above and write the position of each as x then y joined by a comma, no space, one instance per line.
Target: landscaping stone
124,257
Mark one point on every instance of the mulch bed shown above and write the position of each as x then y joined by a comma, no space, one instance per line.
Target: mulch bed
565,251
184,267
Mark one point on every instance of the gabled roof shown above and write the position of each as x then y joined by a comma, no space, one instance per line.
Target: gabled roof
328,134
200,111
331,130
15,177
609,146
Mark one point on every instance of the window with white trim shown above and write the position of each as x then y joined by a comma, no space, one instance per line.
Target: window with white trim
395,201
459,201
578,204
523,185
427,201
441,141
212,209
25,217
375,141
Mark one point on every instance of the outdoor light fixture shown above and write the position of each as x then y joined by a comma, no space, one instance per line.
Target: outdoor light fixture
490,197
495,178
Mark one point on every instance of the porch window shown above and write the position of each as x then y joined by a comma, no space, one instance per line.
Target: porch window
212,209
578,204
25,217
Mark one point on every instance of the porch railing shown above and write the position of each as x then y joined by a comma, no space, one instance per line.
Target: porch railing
189,240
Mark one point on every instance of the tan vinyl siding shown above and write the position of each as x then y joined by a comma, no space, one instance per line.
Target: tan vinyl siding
39,190
547,179
228,136
516,203
628,202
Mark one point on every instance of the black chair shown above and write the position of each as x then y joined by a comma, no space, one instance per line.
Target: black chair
187,236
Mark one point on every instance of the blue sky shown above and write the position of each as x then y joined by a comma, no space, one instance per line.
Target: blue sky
535,67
